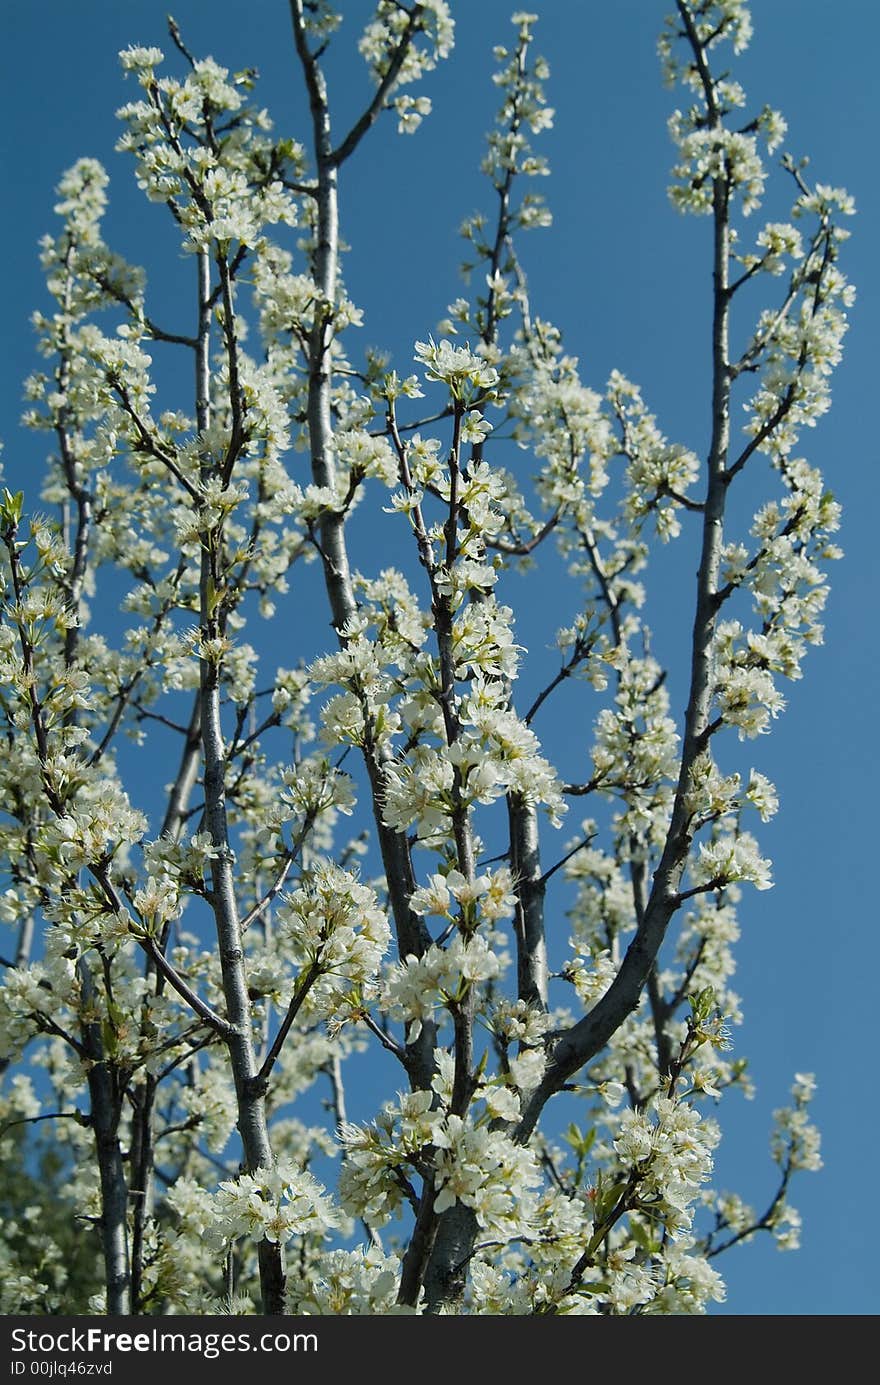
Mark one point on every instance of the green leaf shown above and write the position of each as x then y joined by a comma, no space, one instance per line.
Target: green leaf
581,1141
642,1236
599,1287
12,506
702,1004
607,1198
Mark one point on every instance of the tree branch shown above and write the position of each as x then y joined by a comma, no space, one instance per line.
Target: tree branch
371,114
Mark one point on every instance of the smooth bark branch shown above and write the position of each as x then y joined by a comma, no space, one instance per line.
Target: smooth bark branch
48,1116
106,1096
523,548
301,990
126,694
385,1039
790,396
186,777
588,1036
154,331
442,1241
333,1070
502,229
763,1223
413,937
262,904
530,885
423,542
148,443
25,942
660,1011
73,474
250,1098
142,1154
421,1244
525,843
446,1272
564,672
236,396
177,983
599,1235
446,1268
376,106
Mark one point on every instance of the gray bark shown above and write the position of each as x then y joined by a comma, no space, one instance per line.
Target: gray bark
447,1269
250,1094
590,1035
105,1102
528,923
412,934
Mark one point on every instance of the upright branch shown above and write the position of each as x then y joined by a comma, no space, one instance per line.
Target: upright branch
250,1093
412,935
572,1049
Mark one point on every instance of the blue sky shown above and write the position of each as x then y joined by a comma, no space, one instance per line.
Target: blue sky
627,280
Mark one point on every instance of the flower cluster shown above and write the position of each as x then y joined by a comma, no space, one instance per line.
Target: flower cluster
277,1204
335,930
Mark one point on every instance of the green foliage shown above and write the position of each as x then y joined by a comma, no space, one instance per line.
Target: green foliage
50,1256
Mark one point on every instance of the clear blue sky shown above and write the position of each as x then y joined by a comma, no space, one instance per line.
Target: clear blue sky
627,280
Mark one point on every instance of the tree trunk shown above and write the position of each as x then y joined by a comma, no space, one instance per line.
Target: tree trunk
105,1110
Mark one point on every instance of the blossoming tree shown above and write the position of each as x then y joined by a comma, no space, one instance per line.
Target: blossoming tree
550,1004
